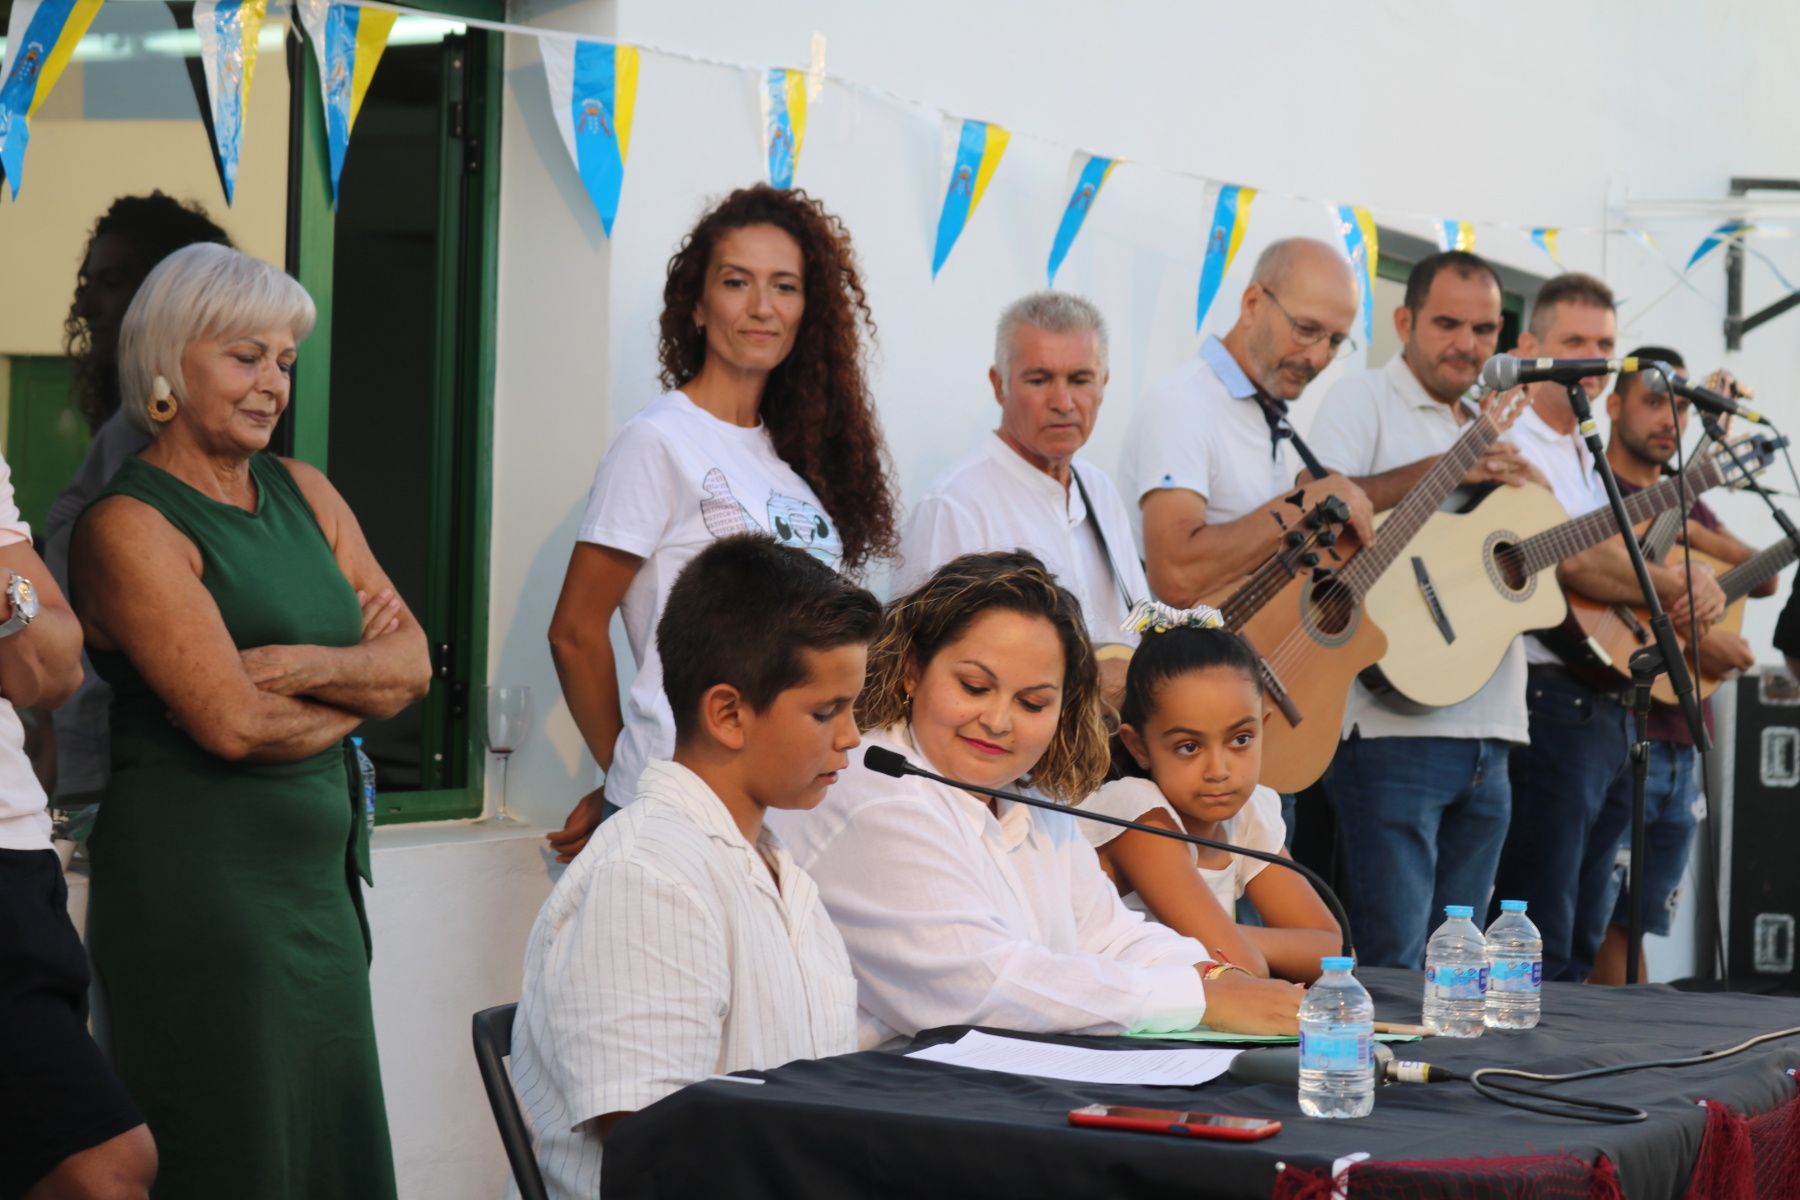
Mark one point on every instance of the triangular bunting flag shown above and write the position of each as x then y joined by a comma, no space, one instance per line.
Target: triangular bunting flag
228,31
593,94
348,40
1545,239
1728,232
40,37
1357,227
1231,216
784,122
974,155
1456,235
1090,172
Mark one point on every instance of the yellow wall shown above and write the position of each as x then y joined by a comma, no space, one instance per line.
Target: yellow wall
75,168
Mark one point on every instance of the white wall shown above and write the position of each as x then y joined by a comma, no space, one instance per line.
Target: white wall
1533,113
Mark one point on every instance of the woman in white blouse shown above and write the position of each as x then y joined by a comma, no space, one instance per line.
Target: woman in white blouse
767,426
962,910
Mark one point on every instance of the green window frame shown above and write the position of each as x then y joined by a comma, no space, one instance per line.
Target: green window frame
462,470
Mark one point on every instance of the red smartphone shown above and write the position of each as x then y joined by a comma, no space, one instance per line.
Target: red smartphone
1169,1120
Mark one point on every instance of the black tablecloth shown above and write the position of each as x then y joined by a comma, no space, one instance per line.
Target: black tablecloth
877,1124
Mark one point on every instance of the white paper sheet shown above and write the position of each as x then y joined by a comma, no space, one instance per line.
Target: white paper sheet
1077,1064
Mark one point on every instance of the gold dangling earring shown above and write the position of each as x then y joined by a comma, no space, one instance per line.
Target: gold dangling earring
162,404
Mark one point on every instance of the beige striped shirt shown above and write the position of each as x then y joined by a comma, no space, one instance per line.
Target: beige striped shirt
667,953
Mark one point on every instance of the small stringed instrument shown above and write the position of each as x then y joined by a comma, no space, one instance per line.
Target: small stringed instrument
1313,636
1476,580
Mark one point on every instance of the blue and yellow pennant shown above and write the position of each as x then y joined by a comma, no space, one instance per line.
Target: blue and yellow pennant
593,93
979,146
228,30
1091,172
784,122
1362,244
40,38
1231,216
348,40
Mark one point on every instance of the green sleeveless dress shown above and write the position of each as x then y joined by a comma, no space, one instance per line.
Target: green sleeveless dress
225,916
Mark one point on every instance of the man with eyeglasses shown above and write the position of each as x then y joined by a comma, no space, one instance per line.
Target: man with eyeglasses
1208,453
1422,796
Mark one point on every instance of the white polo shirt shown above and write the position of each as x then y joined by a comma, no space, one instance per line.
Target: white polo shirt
1200,428
667,953
1566,463
995,500
1375,421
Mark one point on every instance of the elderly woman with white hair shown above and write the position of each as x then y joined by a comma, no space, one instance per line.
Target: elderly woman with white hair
230,599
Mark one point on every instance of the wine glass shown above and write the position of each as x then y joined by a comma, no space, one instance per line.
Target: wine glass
508,720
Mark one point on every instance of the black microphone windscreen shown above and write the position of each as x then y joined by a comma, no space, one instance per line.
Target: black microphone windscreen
884,761
1281,1065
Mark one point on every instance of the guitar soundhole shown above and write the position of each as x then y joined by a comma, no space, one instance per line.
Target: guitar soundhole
1506,567
1330,611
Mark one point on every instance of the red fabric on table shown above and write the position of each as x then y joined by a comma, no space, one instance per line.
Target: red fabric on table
1748,1158
1538,1176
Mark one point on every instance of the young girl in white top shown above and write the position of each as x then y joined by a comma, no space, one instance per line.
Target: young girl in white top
767,426
1190,746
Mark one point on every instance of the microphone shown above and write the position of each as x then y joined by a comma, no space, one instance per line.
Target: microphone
883,761
1503,372
1663,377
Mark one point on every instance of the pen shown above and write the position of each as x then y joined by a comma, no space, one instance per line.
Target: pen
734,1079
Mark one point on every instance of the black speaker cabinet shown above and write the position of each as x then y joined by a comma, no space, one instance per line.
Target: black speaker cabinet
1756,783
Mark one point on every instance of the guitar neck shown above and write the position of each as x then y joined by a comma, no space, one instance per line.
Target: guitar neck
1661,535
1410,515
1551,546
1738,582
1264,583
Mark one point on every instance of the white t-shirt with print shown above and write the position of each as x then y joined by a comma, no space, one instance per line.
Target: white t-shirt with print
1257,825
674,480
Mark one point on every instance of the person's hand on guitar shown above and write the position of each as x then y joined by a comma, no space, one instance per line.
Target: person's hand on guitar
1503,463
1724,653
1708,606
583,819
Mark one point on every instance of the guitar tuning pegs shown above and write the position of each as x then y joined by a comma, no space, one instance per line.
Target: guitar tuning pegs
1336,508
1309,560
1328,538
1294,538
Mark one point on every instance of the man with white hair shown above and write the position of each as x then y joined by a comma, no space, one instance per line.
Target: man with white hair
1205,459
1023,487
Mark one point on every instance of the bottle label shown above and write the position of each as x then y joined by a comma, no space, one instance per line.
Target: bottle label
1458,983
1516,975
1347,1047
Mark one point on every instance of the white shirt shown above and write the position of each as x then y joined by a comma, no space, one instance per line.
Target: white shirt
1257,825
995,500
1566,463
1375,421
667,953
24,823
1200,428
956,916
675,479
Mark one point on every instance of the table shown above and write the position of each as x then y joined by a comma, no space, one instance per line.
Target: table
877,1124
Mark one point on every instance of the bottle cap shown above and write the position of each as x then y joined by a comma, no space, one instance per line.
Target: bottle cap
1333,962
1512,906
1453,911
356,741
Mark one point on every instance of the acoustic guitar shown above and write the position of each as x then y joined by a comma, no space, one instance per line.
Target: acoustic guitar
1313,636
1474,581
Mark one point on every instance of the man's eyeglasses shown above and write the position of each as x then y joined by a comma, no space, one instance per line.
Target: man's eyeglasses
1310,333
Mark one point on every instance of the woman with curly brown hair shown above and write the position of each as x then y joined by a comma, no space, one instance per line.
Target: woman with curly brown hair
963,910
767,424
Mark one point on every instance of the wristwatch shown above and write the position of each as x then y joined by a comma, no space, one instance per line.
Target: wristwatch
24,600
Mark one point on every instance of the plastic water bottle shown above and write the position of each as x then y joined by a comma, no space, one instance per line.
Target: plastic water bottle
1515,952
1456,976
366,770
1337,1045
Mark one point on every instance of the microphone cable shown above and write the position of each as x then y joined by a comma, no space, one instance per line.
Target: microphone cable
1499,1083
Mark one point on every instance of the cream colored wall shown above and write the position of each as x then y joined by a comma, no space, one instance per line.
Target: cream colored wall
76,167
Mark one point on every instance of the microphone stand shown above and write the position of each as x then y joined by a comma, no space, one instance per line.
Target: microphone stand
1646,665
897,765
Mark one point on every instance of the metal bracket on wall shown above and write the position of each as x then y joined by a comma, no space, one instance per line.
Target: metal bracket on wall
1736,323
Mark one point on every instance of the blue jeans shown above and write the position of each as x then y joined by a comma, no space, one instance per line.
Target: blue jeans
1669,795
1579,747
1422,820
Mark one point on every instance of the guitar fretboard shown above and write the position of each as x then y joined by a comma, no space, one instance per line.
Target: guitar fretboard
1410,515
1738,582
1551,546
